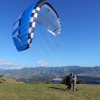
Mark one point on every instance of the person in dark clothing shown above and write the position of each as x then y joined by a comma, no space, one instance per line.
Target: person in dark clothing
69,81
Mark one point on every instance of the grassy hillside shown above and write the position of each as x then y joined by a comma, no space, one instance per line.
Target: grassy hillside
13,91
9,80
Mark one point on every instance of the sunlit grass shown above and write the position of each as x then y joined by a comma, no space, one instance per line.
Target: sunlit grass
9,91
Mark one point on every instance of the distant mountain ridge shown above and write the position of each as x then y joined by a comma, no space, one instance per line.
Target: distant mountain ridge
48,73
86,70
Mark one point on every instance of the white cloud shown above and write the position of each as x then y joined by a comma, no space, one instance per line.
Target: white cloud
10,65
43,64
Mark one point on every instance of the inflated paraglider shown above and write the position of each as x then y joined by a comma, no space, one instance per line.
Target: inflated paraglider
41,13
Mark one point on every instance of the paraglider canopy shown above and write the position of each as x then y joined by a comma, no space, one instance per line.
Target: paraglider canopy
41,13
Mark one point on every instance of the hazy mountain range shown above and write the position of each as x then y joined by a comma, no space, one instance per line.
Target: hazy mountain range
48,73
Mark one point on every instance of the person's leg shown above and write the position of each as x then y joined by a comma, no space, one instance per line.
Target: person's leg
75,87
69,86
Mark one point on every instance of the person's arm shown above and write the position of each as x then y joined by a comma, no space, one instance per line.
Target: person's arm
73,78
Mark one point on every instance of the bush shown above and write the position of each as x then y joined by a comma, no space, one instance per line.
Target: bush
47,82
1,82
17,80
3,79
1,76
79,82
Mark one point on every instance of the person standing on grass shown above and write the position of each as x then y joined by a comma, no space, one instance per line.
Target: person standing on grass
69,79
74,83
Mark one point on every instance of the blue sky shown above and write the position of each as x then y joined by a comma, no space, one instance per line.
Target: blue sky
79,38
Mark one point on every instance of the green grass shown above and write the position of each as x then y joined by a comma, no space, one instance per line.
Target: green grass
13,91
